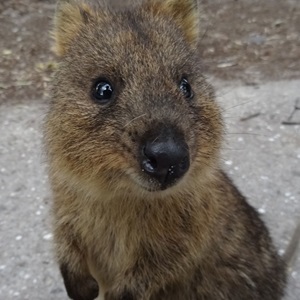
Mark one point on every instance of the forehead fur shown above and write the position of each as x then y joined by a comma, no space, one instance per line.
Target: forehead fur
73,16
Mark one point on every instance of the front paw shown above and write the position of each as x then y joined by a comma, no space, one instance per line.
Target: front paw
125,295
85,290
80,287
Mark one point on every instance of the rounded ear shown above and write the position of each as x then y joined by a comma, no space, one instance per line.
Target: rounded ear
185,14
69,19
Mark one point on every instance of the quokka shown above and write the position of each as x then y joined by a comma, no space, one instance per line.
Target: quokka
142,209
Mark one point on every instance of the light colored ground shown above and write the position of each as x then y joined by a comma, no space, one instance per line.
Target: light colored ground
261,154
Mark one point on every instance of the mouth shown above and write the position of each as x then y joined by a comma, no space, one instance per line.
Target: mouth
152,185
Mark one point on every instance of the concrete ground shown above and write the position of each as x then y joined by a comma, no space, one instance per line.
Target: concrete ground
261,154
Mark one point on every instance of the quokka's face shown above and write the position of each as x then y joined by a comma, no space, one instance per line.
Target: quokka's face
130,105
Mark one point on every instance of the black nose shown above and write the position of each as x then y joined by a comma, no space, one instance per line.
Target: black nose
166,159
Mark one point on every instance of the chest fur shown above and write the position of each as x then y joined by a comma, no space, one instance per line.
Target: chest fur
123,236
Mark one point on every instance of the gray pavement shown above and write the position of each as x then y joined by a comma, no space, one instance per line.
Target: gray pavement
261,155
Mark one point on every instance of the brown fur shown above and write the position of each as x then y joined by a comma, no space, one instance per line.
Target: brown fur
198,239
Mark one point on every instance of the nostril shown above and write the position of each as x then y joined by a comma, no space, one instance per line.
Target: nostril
149,163
148,166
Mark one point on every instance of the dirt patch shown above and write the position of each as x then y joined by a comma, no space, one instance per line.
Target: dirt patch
25,57
247,40
252,40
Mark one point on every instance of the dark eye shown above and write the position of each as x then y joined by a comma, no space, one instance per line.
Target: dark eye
186,88
102,91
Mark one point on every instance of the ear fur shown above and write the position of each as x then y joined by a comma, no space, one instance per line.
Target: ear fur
70,17
184,12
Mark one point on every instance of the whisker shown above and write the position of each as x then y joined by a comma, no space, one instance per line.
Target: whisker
232,149
204,35
134,119
235,106
221,93
155,140
247,133
226,117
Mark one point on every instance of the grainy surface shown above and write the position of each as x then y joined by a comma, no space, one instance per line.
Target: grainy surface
261,154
